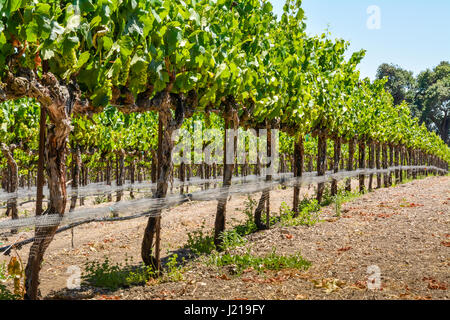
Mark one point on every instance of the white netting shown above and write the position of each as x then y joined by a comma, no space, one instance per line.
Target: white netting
153,206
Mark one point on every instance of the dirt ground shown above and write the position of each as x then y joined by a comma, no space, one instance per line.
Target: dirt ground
401,232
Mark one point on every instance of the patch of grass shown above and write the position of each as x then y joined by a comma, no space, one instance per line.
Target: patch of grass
341,197
173,271
348,195
338,204
201,243
327,198
232,239
100,199
419,177
24,213
113,276
272,261
249,225
308,214
6,294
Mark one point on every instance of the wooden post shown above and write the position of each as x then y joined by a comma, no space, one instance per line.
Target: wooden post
40,168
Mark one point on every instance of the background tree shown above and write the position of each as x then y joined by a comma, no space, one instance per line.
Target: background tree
433,99
400,82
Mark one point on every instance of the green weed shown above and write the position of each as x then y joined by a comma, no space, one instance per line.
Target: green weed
113,276
308,214
341,197
173,271
200,242
249,225
100,200
272,261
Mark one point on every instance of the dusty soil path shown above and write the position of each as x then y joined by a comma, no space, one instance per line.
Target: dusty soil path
403,232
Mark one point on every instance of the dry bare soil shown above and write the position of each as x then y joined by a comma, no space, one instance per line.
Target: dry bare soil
402,232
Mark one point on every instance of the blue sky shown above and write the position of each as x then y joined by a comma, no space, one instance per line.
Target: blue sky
414,34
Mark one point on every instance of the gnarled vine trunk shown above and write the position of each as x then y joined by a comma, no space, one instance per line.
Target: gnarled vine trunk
362,164
182,176
402,161
385,166
396,163
408,153
81,182
13,177
321,162
336,159
132,176
55,159
264,201
351,155
391,163
231,121
108,178
299,150
40,169
120,174
371,163
310,163
378,163
150,250
58,102
76,162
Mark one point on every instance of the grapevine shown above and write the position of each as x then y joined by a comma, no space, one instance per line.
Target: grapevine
118,78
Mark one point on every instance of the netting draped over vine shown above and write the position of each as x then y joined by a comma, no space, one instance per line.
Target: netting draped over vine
152,206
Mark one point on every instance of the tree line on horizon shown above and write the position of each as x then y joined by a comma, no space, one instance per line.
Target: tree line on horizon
427,94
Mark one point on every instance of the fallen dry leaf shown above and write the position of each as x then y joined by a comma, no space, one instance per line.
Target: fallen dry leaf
344,249
423,298
105,297
446,243
433,284
359,285
223,277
